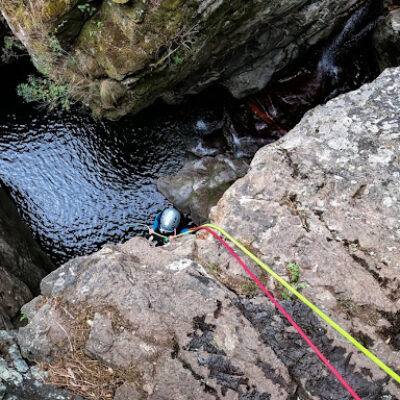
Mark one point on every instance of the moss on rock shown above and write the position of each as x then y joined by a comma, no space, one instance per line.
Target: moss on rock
168,48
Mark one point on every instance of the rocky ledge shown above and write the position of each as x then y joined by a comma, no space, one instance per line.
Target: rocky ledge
22,263
183,321
119,56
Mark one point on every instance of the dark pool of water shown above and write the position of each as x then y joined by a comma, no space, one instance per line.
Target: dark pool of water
79,183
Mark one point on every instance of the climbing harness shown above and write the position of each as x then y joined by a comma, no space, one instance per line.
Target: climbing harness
313,307
166,239
284,313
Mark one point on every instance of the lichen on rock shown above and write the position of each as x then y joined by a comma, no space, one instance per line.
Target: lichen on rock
329,199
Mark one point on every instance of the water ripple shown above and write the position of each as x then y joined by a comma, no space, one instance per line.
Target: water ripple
79,183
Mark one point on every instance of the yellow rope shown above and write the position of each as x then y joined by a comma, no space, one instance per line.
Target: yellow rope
332,323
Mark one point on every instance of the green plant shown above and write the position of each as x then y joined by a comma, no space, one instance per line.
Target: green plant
183,41
294,278
49,94
177,60
294,272
23,317
97,26
55,45
12,48
213,267
86,8
286,295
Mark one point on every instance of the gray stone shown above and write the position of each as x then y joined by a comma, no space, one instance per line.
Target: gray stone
180,334
110,92
19,381
182,322
18,362
127,392
387,40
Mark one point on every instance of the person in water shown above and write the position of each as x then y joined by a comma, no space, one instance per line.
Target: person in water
167,223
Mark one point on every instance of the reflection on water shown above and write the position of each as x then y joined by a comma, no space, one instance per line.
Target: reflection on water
79,183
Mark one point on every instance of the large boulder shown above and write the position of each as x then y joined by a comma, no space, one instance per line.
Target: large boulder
22,264
387,40
139,322
326,197
168,48
201,183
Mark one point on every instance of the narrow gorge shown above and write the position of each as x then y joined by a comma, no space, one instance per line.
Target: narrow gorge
277,121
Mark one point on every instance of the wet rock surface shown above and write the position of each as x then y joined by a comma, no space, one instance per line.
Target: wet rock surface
168,49
201,182
22,263
387,40
326,197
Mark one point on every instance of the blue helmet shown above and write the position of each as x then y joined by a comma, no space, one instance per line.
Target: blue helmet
169,220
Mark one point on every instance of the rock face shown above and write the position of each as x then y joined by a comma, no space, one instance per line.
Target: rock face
164,326
19,381
327,198
22,263
387,40
200,184
143,50
183,322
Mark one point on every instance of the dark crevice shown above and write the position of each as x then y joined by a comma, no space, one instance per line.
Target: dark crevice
383,282
207,388
304,367
221,368
218,310
295,168
363,338
347,244
391,335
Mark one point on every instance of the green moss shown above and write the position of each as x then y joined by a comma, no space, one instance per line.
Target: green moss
148,47
136,11
213,194
213,267
54,9
249,288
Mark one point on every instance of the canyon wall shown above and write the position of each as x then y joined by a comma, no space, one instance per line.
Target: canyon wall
119,58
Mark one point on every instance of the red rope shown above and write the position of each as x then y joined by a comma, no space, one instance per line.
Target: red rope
286,315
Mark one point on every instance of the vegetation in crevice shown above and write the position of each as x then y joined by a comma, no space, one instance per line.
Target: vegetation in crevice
294,279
